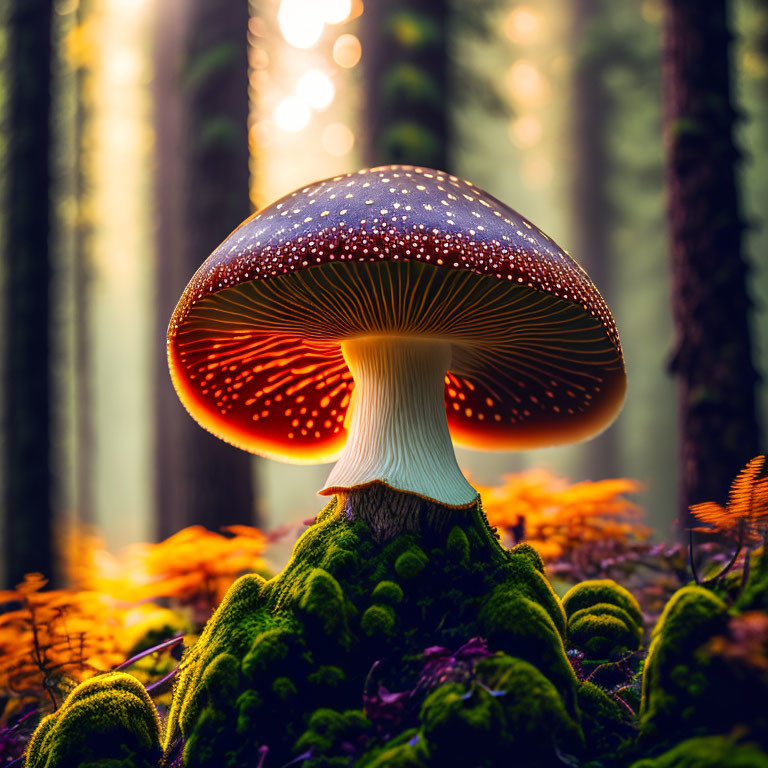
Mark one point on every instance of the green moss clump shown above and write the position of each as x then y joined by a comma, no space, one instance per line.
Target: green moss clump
603,631
606,725
512,709
398,753
216,720
271,652
526,550
461,729
411,563
680,696
604,619
323,602
327,677
536,719
709,752
591,593
327,733
387,592
457,545
378,620
107,718
524,617
275,652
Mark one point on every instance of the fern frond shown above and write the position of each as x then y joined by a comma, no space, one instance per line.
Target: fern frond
741,496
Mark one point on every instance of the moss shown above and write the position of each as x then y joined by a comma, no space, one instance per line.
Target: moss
600,591
511,621
460,729
328,734
512,709
306,641
603,631
521,574
411,563
339,560
106,718
709,752
322,601
536,719
378,620
399,756
457,545
527,551
677,671
284,688
387,592
604,722
272,651
327,676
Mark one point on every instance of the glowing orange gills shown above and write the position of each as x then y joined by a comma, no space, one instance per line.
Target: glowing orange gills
254,343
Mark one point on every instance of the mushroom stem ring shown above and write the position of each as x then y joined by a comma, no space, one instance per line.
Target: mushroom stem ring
398,431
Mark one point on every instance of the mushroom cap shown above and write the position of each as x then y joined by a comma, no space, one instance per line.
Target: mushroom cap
254,344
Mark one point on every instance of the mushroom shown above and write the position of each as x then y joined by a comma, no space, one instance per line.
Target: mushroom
372,317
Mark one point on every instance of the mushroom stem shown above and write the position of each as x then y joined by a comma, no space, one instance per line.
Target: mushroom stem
398,431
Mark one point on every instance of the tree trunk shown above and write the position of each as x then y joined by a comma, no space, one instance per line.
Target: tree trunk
712,359
82,293
202,194
590,199
405,68
27,419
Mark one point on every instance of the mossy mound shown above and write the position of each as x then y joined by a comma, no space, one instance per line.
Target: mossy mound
687,691
709,752
509,708
606,724
604,619
306,641
106,722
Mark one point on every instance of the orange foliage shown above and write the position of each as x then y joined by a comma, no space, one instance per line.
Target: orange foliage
51,640
196,566
746,513
557,517
48,640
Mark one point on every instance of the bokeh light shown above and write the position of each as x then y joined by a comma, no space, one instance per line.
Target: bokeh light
526,84
301,22
315,89
523,26
347,51
525,131
338,139
336,11
292,114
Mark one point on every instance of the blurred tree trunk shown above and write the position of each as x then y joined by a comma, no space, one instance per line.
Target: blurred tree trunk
712,359
405,68
82,284
591,110
27,409
201,106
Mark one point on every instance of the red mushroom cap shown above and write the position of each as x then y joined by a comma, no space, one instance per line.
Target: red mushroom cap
254,343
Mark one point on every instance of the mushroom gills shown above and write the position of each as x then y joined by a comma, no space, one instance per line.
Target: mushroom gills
398,431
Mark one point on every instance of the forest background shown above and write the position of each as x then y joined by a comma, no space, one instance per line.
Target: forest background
137,134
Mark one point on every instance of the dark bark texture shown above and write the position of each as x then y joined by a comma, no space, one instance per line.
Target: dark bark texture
405,68
712,359
202,194
27,410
